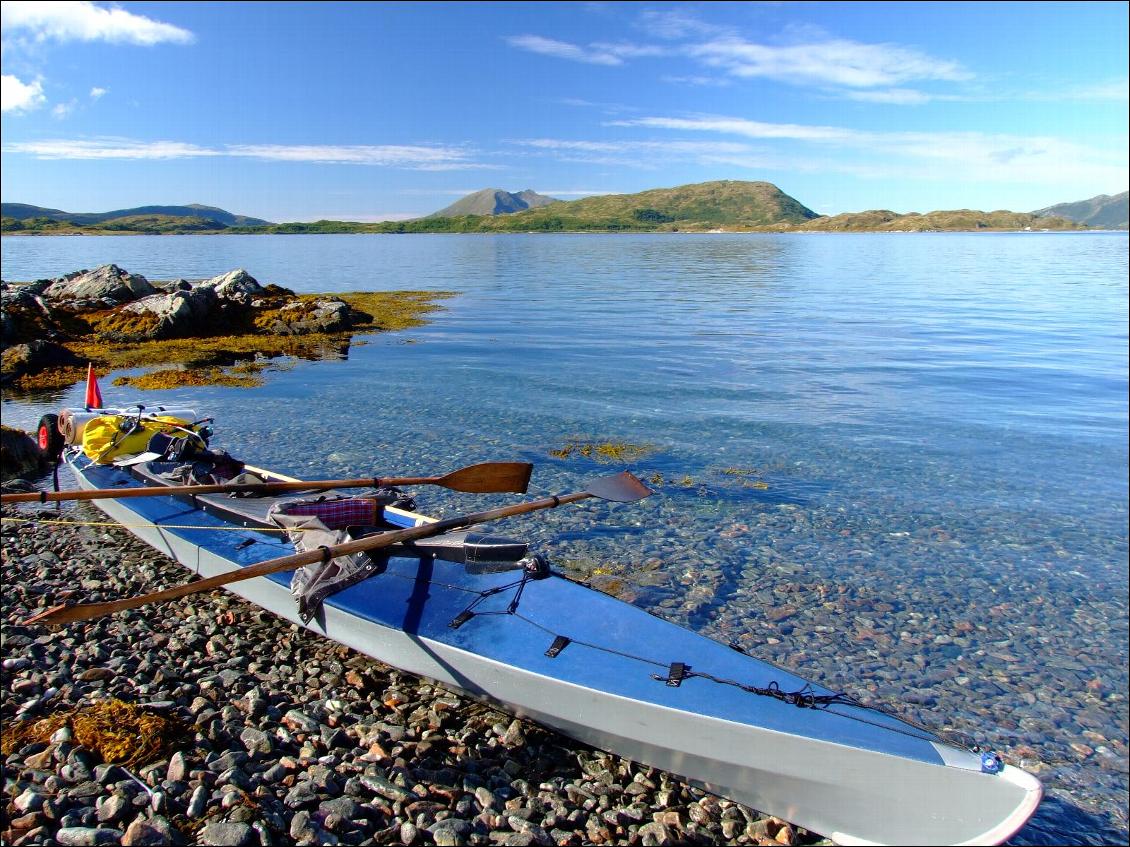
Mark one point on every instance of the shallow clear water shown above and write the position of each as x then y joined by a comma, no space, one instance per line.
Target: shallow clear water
895,463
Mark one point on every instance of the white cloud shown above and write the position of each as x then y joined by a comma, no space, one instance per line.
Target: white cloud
894,96
17,96
744,127
809,57
61,110
563,50
698,79
839,62
676,25
960,156
1115,89
77,20
414,157
108,148
97,93
644,154
411,157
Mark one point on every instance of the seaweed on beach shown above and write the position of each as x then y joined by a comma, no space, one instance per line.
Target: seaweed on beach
120,733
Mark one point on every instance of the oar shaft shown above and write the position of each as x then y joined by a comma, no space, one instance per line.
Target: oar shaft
178,490
68,614
484,478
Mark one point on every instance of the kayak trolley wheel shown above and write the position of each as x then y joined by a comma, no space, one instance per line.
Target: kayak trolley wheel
49,438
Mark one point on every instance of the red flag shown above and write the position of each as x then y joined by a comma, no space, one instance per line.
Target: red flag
93,395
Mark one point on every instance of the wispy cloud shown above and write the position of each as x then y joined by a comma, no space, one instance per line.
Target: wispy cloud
17,96
1114,90
803,57
62,110
76,20
416,157
744,127
97,93
563,50
677,24
108,148
410,157
698,79
895,96
917,155
838,62
642,154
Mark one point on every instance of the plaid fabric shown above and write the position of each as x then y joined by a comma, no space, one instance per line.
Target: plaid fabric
338,514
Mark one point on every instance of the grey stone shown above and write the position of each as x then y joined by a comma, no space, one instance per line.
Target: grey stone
85,836
151,833
105,283
112,808
29,801
227,834
198,802
178,767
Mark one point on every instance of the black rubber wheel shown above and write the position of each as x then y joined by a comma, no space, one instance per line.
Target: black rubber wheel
48,437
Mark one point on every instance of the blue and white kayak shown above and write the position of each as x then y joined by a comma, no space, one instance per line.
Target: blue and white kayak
613,676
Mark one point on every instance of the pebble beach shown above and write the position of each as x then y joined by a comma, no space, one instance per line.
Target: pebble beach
274,735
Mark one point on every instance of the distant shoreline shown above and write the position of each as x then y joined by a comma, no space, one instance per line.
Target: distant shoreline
767,231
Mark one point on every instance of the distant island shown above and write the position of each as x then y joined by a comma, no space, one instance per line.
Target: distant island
720,206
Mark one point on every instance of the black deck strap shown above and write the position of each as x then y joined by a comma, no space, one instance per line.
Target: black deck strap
43,496
559,644
461,619
677,673
327,556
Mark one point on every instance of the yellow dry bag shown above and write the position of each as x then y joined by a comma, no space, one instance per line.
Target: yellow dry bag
110,437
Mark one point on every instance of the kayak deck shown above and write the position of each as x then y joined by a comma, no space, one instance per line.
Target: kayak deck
619,678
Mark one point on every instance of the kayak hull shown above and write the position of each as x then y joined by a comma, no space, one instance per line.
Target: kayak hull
855,775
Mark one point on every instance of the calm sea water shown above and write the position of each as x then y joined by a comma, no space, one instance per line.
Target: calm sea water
895,463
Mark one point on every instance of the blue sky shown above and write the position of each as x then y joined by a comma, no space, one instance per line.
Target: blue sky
372,111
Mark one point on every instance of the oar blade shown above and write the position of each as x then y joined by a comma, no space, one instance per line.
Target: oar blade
490,478
621,488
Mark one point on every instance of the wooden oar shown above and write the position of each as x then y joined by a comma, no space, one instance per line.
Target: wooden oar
621,488
485,478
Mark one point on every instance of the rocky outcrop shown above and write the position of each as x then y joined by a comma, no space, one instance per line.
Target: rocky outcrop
237,286
102,287
183,313
19,454
304,317
34,357
24,314
109,305
232,302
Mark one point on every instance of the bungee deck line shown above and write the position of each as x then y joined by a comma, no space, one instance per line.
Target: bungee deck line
804,698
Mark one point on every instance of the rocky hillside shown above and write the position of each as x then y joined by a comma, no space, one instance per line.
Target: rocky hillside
494,201
1103,212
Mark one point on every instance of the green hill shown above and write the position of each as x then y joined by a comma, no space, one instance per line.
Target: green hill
23,212
127,225
1104,211
726,204
956,220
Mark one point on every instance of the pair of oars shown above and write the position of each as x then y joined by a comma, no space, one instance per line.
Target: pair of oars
485,478
621,488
